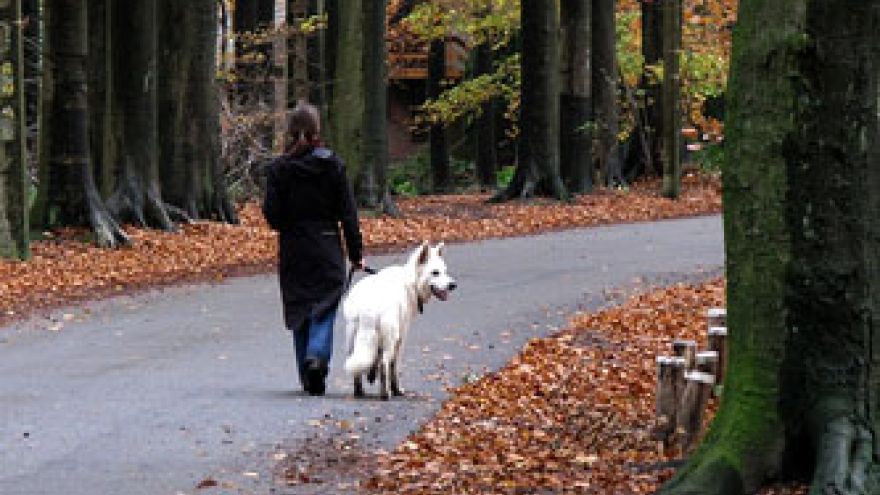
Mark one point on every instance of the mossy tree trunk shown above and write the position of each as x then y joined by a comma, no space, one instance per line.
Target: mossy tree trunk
671,134
72,196
605,100
576,106
138,194
537,171
803,243
347,103
441,176
14,183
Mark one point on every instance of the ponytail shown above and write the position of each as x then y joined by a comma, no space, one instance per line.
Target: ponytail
303,128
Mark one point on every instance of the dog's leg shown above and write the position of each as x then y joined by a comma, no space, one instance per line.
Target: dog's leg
358,385
383,380
392,370
371,374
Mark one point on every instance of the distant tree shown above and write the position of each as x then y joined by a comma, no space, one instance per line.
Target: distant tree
671,129
802,235
652,55
487,141
537,170
14,220
576,112
72,198
605,83
441,178
374,190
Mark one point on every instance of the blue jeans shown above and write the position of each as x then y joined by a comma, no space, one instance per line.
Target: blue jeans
314,339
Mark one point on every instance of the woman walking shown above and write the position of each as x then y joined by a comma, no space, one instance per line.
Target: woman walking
307,198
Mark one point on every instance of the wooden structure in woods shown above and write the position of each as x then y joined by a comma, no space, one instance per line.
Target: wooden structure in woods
686,380
408,55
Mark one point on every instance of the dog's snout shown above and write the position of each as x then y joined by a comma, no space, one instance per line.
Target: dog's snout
453,285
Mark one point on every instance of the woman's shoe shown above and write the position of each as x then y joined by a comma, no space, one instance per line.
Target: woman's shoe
316,371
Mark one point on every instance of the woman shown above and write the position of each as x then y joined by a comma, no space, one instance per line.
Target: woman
307,197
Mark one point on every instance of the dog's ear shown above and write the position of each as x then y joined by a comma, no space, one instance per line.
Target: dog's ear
424,252
439,248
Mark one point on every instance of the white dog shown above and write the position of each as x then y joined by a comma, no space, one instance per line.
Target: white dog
379,310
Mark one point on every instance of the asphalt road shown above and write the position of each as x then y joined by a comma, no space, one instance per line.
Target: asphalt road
156,393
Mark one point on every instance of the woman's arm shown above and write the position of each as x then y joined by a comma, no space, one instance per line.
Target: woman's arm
348,215
272,202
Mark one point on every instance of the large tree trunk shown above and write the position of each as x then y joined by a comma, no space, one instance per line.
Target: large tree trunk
441,177
652,52
671,136
576,112
190,169
605,76
103,133
72,197
487,142
803,240
14,222
137,197
347,103
374,190
537,170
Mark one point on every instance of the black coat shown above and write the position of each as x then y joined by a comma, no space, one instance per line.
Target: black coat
307,197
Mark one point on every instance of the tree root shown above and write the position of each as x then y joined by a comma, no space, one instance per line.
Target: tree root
107,231
844,459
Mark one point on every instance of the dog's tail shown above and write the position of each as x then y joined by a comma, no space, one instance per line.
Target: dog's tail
365,346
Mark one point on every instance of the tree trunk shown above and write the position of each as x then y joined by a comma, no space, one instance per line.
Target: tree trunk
347,103
374,190
14,183
605,91
138,196
671,99
537,170
72,197
103,133
441,177
282,21
576,112
487,142
299,62
652,52
803,240
316,48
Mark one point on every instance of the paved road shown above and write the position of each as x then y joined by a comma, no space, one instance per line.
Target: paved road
155,393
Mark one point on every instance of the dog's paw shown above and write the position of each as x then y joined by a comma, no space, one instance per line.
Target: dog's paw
398,392
359,393
384,396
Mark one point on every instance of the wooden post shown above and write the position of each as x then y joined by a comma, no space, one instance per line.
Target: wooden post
718,343
686,349
717,317
707,362
670,385
689,420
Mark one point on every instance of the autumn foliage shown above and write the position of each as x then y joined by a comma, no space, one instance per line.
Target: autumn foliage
66,268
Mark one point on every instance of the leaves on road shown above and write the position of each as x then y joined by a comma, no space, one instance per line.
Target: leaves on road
572,413
66,269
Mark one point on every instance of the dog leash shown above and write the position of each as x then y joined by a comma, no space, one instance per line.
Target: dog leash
368,270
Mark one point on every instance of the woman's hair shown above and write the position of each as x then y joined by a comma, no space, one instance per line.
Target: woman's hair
303,128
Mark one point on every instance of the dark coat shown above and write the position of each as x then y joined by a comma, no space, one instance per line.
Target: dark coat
307,197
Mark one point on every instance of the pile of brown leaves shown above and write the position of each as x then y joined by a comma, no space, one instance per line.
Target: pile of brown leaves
66,269
571,413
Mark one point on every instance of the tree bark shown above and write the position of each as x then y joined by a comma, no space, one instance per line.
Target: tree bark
441,177
803,240
14,183
537,170
374,190
72,197
671,135
137,197
347,103
487,142
605,99
575,139
652,52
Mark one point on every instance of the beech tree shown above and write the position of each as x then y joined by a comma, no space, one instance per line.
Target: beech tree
802,238
71,195
441,177
537,170
604,88
576,112
14,182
